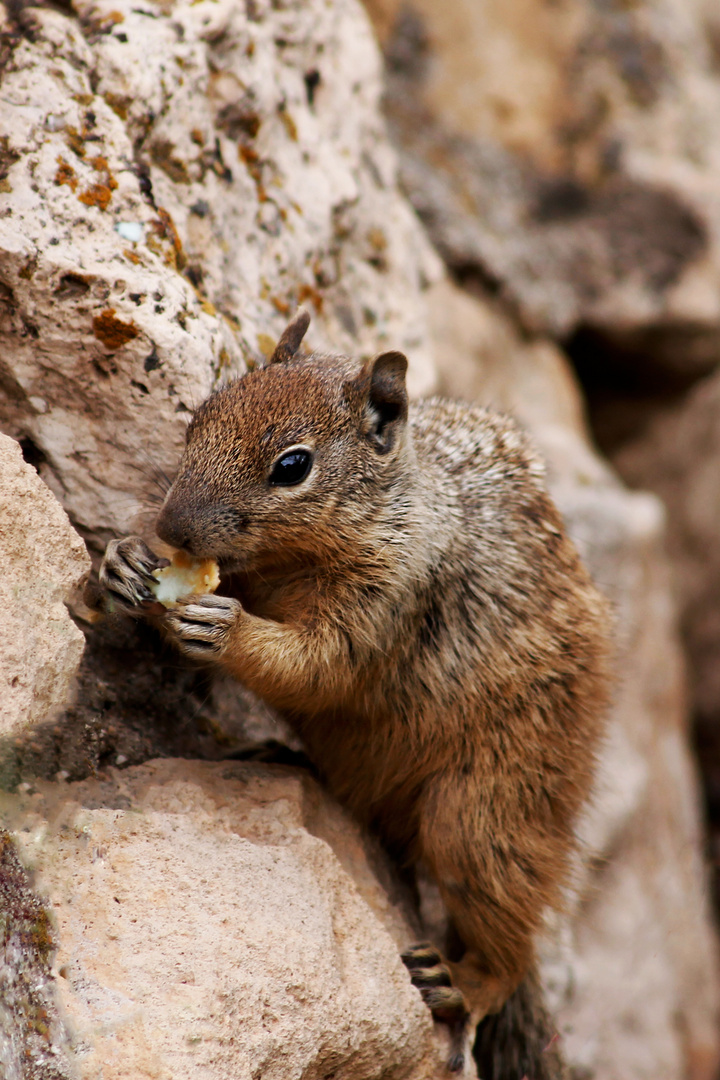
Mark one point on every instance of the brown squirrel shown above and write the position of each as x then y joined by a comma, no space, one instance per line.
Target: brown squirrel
405,594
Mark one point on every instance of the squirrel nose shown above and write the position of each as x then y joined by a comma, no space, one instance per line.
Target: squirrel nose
174,527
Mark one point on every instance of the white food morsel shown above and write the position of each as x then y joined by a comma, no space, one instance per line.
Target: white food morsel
185,576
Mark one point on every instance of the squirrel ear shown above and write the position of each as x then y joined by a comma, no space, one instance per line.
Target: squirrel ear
291,337
387,401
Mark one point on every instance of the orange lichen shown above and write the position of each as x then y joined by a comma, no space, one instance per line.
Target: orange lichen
162,152
76,140
100,164
224,361
132,256
249,156
165,228
266,344
119,104
251,160
378,239
308,292
96,195
65,173
280,305
289,124
113,332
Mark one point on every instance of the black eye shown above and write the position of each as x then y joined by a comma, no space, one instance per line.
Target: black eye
291,468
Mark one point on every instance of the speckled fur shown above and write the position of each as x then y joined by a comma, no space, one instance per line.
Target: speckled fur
417,612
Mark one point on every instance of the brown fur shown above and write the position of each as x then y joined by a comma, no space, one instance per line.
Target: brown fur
416,611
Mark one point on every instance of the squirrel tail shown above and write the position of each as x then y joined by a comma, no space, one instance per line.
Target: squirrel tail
520,1042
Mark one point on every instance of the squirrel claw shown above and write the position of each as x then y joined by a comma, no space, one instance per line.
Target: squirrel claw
200,625
126,573
432,977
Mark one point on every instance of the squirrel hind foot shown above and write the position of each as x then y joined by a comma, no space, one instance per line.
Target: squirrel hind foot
432,977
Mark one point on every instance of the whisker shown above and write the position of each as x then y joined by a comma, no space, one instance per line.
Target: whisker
153,472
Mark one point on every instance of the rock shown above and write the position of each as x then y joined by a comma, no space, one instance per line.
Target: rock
174,183
482,357
676,454
631,973
33,1039
221,920
42,562
565,155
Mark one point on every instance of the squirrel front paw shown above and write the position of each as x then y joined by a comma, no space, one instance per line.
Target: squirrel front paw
126,574
200,626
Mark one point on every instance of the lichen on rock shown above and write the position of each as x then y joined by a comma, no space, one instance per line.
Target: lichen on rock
34,1043
255,174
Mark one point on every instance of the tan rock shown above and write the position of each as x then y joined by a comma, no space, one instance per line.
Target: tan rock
566,153
42,562
174,184
482,357
676,454
632,973
221,920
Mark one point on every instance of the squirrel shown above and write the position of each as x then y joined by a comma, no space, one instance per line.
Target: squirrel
403,592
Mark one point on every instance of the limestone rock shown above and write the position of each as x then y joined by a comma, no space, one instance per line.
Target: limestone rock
677,455
632,973
482,357
221,920
174,182
42,562
566,154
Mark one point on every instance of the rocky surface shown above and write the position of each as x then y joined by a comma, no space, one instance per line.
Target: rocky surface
42,563
34,1042
675,452
565,155
174,182
677,455
221,921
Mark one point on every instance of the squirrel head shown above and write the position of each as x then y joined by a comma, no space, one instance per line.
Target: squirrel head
292,462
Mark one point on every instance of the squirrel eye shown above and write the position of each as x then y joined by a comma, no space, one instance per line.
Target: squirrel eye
291,468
